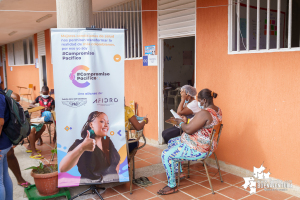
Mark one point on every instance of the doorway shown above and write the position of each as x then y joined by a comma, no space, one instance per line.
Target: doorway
177,60
44,69
4,74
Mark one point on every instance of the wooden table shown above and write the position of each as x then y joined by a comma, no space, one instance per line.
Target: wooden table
35,109
20,87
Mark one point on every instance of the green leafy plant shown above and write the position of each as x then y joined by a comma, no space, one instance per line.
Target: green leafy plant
43,169
53,151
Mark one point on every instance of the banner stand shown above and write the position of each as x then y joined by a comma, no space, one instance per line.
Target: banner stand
101,102
93,188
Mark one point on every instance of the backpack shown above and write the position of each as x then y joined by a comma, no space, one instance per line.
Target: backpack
18,127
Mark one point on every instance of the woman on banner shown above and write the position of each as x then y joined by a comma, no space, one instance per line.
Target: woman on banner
95,154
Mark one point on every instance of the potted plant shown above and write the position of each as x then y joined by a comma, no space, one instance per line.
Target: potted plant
45,178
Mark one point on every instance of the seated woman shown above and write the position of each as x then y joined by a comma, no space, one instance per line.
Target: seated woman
95,155
194,143
131,118
188,106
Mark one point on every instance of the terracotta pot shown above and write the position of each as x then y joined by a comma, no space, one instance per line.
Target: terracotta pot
46,184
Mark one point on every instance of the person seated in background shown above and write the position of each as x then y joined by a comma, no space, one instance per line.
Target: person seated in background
12,161
188,107
37,129
46,101
131,118
194,143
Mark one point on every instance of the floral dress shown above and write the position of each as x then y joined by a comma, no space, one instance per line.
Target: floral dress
189,147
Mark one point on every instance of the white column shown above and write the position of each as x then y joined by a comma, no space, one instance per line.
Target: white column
74,13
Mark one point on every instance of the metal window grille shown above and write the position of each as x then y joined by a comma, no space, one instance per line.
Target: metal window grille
21,52
125,15
263,26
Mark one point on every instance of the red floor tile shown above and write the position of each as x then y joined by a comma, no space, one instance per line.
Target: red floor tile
155,188
197,177
184,183
153,180
197,166
141,151
157,152
234,192
230,178
216,184
125,187
109,192
254,197
176,196
139,194
294,198
156,198
162,176
215,196
145,155
196,190
141,163
149,148
118,197
154,160
274,195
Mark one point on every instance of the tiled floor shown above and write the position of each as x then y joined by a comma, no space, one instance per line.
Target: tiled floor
195,187
46,147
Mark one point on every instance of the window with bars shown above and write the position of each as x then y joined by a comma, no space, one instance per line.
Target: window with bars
21,52
126,15
264,26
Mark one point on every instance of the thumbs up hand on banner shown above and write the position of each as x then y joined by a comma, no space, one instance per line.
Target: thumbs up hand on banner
88,144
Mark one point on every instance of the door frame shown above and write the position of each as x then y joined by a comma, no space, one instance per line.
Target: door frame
4,73
41,70
160,78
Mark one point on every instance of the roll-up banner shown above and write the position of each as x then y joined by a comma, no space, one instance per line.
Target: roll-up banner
88,75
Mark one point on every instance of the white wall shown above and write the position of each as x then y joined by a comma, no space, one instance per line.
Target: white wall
174,70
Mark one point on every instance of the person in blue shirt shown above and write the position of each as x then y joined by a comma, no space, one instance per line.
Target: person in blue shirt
6,186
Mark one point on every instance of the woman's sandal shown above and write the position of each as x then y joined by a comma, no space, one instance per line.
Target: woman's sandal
24,185
171,191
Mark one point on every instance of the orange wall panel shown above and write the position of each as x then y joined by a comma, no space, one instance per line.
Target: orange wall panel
50,79
141,82
141,86
149,23
23,76
257,94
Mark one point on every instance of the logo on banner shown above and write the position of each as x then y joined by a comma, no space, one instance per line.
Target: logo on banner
68,128
117,58
106,100
74,102
75,76
72,76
